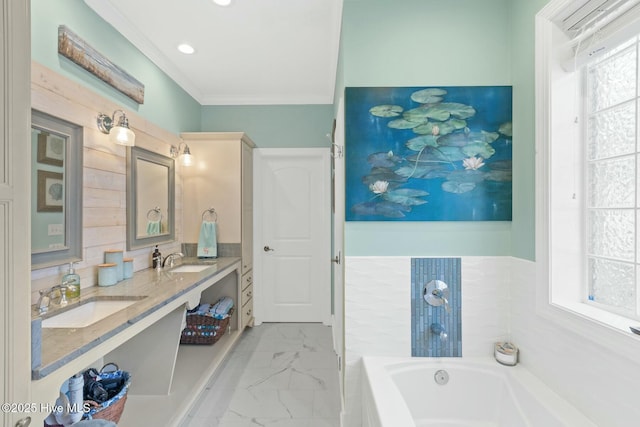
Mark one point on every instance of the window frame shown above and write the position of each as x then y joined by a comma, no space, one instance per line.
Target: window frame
563,305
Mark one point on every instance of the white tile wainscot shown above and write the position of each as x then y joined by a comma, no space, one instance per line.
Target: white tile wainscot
144,340
378,312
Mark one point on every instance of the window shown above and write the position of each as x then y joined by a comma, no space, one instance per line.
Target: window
612,156
588,169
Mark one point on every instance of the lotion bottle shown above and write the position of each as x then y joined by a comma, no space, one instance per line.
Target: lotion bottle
72,281
156,259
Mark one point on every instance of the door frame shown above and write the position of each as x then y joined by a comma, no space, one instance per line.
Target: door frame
259,156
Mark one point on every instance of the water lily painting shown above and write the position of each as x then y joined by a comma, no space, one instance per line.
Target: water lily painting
428,153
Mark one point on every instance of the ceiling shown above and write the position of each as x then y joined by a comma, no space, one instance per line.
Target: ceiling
253,52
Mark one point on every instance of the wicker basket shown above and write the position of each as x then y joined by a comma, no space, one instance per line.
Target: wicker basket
111,409
204,329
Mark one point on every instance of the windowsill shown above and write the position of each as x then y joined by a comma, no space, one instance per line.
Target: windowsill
601,327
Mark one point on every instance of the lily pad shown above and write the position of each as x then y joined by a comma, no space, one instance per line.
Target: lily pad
464,175
506,129
383,160
402,124
479,149
499,175
406,196
458,187
420,142
423,171
460,139
418,115
428,96
460,111
383,174
444,128
386,110
439,154
388,209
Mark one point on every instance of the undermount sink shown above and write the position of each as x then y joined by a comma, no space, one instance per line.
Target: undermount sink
191,268
88,313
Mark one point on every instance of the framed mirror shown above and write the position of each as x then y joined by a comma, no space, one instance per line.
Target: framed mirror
56,191
150,198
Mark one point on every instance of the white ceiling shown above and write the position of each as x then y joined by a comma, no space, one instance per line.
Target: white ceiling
253,52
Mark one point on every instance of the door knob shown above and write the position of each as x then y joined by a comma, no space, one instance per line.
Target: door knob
268,249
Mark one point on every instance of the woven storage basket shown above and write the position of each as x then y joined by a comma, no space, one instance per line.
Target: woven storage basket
204,329
111,409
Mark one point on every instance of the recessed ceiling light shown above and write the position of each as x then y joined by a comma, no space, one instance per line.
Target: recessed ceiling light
187,49
222,2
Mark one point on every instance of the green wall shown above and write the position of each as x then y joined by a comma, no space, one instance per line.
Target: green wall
523,76
424,43
273,126
165,103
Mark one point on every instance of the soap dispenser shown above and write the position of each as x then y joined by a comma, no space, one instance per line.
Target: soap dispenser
72,281
156,259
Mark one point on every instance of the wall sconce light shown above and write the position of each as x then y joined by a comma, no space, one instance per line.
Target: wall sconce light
119,133
186,158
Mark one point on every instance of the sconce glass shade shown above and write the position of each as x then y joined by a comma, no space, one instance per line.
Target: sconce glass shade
120,133
122,136
187,158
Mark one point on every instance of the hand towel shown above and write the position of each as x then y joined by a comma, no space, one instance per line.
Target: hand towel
153,228
221,309
207,241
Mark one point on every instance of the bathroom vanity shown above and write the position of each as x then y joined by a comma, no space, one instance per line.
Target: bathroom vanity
144,339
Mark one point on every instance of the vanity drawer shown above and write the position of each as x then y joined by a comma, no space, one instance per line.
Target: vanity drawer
247,294
247,280
247,313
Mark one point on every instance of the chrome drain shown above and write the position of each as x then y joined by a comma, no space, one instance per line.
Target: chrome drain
441,376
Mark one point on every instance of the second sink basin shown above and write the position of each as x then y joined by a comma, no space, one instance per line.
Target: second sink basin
87,313
191,268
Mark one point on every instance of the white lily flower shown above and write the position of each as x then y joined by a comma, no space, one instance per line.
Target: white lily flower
379,187
473,163
435,130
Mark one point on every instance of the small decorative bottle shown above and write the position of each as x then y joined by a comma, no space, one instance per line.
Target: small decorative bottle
156,259
72,281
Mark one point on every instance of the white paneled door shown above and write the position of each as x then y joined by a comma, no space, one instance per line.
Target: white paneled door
293,235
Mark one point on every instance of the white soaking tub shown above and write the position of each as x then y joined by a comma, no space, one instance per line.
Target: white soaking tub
403,392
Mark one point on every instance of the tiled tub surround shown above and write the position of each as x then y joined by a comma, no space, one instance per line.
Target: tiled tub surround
435,318
499,302
378,313
66,351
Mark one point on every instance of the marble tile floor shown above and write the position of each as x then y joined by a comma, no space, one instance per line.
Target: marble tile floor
278,375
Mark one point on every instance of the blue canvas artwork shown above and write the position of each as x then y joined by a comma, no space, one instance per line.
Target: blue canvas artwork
428,153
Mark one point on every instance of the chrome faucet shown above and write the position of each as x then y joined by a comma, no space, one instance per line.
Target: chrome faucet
171,258
45,297
440,294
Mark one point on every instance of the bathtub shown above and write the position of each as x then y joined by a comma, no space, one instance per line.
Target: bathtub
403,392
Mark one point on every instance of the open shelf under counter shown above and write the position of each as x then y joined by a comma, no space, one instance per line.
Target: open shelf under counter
195,365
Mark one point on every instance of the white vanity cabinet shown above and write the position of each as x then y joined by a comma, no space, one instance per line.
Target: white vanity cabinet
222,178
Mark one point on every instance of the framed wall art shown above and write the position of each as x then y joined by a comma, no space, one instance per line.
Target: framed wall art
50,191
428,153
50,149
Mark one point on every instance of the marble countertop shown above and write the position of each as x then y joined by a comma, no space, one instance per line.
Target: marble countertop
155,289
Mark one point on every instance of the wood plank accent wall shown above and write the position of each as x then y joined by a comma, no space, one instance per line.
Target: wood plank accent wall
104,175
